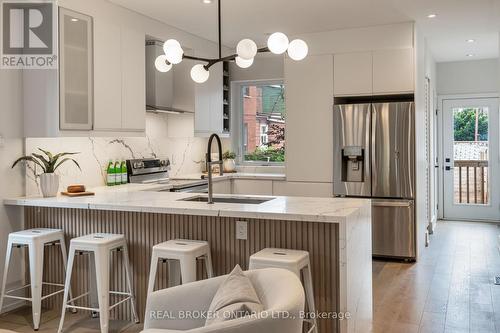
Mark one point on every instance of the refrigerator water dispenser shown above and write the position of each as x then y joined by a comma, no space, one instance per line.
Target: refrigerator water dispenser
353,164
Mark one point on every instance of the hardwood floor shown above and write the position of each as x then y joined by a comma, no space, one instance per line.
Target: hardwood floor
449,290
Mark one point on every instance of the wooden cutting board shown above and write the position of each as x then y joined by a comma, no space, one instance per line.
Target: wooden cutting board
78,194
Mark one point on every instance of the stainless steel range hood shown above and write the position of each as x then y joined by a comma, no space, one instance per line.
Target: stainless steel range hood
160,96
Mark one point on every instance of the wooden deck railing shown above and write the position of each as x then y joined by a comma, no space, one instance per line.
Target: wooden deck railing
471,181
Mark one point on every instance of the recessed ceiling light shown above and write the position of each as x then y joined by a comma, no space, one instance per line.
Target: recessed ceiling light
470,40
470,55
207,2
431,16
74,20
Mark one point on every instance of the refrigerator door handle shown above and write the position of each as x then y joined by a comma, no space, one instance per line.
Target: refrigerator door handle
392,203
373,148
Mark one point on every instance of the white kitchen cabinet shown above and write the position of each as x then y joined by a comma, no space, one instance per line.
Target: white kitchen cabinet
302,189
309,119
76,94
120,71
208,117
222,186
252,186
353,74
133,80
108,76
393,71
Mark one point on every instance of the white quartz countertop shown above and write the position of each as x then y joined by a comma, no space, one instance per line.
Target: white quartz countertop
334,210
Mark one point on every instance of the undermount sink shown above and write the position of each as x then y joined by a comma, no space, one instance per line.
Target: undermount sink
235,200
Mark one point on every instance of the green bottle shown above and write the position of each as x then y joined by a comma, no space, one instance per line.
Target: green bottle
118,173
124,173
111,174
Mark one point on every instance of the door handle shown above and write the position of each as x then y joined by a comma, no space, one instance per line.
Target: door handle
392,203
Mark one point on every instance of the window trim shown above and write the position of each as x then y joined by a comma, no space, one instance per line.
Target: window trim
237,121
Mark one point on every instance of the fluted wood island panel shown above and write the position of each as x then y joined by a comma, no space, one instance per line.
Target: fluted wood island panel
143,230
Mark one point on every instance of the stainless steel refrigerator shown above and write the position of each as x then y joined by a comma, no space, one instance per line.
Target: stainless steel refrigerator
374,157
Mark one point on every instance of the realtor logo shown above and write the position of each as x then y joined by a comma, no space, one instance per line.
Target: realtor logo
28,35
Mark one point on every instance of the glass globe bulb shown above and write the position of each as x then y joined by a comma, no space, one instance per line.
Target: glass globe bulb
199,74
161,64
174,54
246,49
277,43
243,63
171,43
298,49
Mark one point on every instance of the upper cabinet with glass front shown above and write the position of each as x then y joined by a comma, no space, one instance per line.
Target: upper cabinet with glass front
75,71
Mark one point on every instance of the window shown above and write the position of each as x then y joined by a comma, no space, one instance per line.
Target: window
264,139
262,122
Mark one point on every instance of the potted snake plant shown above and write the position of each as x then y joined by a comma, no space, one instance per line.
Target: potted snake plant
49,163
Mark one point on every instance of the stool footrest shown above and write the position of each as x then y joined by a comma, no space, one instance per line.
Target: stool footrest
119,293
17,297
81,308
312,324
53,294
29,285
120,302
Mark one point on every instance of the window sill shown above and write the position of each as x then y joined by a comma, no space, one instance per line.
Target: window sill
251,168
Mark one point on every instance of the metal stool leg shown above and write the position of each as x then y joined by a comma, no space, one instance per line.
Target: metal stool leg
174,272
67,284
208,265
62,245
5,271
188,270
129,282
102,274
308,286
36,276
93,298
152,272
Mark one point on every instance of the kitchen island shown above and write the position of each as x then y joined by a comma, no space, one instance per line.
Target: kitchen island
336,232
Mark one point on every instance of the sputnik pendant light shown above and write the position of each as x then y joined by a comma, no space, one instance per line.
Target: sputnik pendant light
246,50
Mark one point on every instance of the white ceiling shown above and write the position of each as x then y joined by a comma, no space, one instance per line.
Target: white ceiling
456,21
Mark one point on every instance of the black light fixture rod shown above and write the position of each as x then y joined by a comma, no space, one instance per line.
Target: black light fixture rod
211,62
220,27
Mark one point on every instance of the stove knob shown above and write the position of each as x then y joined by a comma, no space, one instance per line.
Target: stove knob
162,163
137,165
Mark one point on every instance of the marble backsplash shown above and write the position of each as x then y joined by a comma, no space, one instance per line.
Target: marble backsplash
169,136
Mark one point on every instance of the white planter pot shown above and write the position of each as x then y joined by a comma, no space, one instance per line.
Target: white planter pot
49,184
229,165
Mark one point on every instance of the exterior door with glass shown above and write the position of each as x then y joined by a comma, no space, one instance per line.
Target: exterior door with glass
471,176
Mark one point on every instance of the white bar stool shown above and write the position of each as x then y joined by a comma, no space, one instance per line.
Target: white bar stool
100,245
293,260
35,240
181,255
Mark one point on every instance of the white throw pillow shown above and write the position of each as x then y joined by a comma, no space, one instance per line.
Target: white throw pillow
235,298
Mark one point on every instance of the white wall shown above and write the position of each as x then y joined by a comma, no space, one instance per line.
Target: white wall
468,77
425,123
12,180
263,68
382,37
